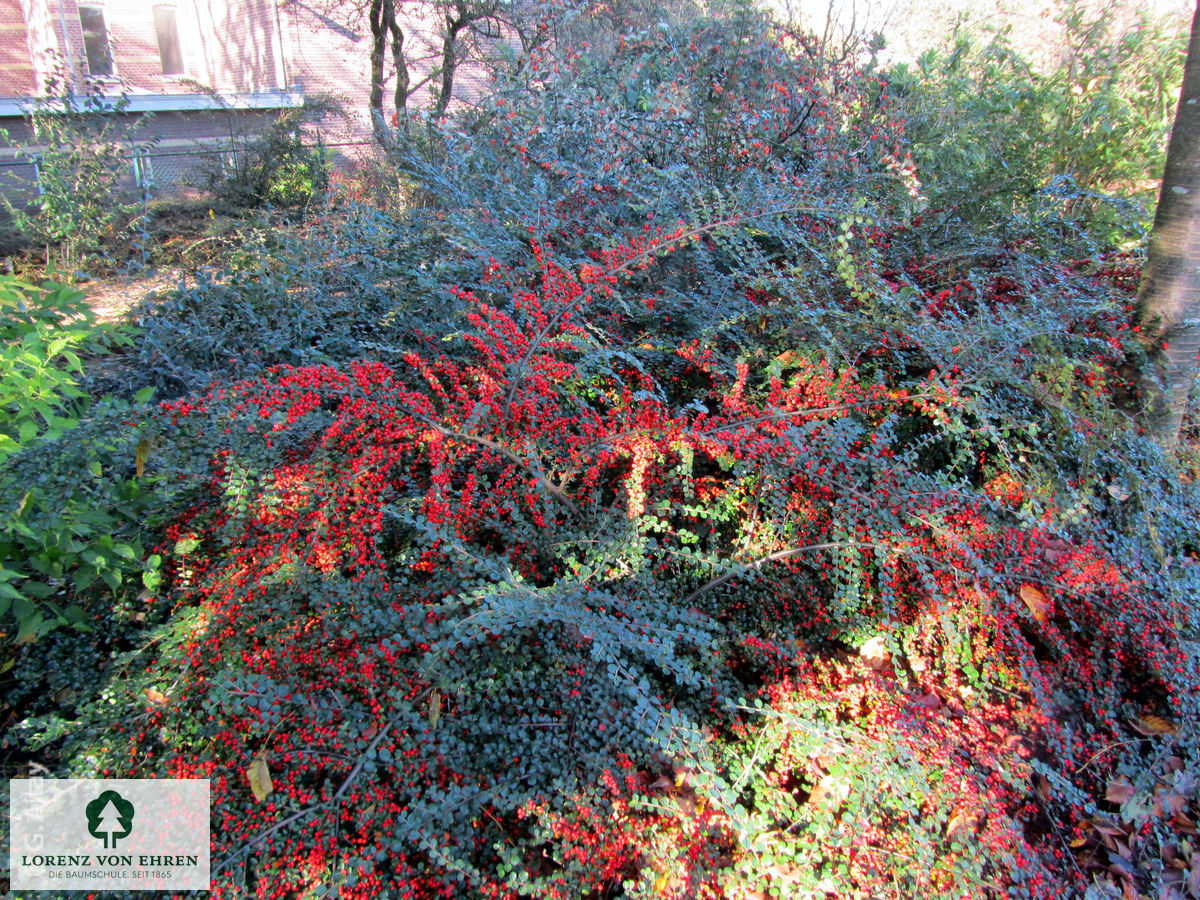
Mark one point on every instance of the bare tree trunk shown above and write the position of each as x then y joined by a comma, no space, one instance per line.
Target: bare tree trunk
454,24
378,45
1168,304
400,100
382,16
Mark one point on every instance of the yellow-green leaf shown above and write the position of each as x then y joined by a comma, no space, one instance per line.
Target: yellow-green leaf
435,708
142,454
260,778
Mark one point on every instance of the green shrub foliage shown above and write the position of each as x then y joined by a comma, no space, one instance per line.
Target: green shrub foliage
273,168
666,517
85,198
71,498
1077,147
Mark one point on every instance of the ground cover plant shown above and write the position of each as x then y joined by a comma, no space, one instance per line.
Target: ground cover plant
665,505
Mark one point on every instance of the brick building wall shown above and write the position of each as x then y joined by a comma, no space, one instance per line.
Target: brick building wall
329,56
210,72
207,72
226,45
16,64
329,51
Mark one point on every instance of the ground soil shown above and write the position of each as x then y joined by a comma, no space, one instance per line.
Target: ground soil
114,296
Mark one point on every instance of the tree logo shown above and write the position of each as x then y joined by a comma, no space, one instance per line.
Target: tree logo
110,816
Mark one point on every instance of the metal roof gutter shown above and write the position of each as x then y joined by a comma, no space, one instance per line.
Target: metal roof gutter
149,103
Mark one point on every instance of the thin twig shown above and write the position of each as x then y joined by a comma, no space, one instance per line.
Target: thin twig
777,556
666,245
296,816
543,479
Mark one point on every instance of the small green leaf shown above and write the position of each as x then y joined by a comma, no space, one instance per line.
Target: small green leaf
184,546
29,627
38,589
85,577
151,580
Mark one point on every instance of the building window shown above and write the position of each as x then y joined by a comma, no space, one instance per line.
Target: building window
95,40
168,40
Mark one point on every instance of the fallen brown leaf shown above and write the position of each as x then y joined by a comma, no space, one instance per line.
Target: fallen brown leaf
156,697
832,787
961,821
1154,725
928,701
875,654
1119,791
1176,803
1038,603
1111,829
1055,549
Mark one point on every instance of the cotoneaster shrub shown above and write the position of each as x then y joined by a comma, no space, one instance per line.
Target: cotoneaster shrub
705,526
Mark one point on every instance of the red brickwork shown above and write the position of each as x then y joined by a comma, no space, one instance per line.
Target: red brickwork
227,45
329,55
17,76
258,53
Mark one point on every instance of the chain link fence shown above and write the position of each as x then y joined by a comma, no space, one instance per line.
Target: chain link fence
168,168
